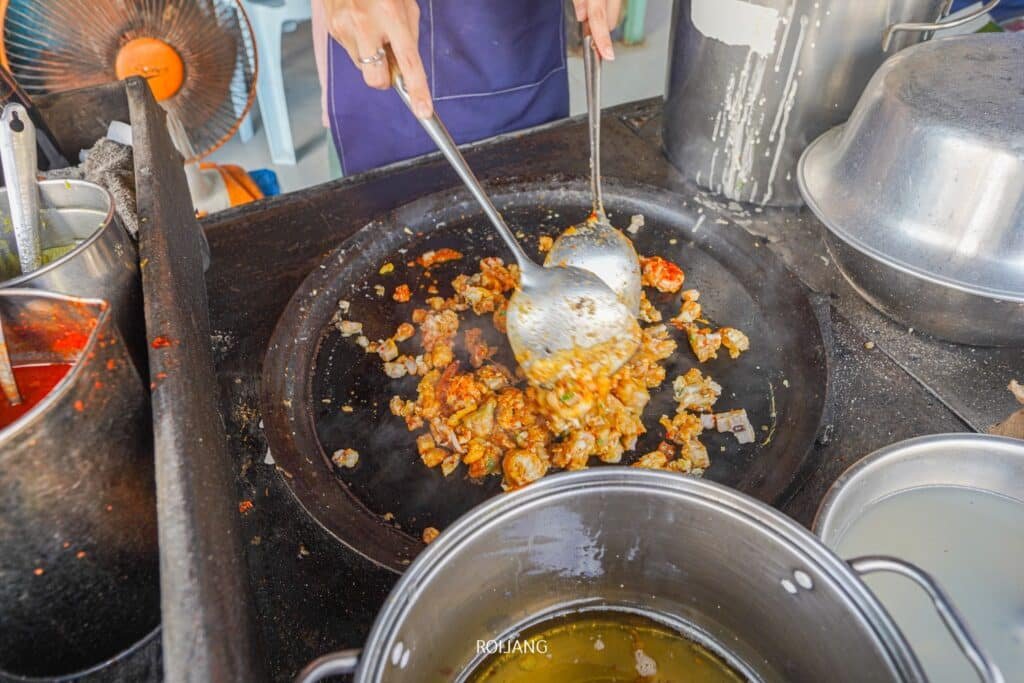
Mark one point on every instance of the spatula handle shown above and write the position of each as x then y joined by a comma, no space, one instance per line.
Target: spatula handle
443,139
7,381
592,76
19,158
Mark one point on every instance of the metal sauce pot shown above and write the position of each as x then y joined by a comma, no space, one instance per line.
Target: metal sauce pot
78,538
740,577
104,265
752,82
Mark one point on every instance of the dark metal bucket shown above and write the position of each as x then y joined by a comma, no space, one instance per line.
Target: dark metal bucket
78,538
751,84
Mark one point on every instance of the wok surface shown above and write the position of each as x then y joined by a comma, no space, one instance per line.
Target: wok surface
311,371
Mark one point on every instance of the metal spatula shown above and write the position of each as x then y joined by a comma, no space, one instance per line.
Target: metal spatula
595,244
555,310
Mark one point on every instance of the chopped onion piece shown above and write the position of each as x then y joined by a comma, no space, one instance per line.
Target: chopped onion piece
737,422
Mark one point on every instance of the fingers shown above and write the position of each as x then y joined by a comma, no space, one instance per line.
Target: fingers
355,29
601,22
407,54
363,27
412,10
580,6
375,73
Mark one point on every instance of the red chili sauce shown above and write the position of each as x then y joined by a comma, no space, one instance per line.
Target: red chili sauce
34,383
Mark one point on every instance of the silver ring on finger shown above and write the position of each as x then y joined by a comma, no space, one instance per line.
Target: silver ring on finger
377,58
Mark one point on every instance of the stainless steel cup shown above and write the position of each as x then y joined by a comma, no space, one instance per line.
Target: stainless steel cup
103,265
752,82
78,538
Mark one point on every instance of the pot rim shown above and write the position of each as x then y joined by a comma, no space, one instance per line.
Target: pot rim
907,448
822,143
108,221
103,314
73,676
411,585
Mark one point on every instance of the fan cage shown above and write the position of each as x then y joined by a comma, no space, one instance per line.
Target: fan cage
56,45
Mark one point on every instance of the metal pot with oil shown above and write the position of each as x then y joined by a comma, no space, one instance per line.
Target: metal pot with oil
668,565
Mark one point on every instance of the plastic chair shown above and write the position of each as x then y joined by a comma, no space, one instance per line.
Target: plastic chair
633,26
268,19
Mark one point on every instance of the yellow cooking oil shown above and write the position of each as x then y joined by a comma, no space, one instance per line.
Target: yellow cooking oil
601,646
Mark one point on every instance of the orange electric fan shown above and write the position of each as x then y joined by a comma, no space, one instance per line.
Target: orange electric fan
197,55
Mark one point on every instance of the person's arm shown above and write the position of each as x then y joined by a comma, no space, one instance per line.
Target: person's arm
599,17
364,27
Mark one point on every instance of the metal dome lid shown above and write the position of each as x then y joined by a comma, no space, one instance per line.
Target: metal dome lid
927,176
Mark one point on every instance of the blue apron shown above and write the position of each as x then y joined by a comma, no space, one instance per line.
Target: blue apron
493,66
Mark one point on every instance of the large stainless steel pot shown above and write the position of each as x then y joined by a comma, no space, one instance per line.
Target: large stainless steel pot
741,577
104,265
78,538
922,190
752,82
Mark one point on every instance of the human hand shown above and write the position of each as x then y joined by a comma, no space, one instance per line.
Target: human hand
599,18
364,27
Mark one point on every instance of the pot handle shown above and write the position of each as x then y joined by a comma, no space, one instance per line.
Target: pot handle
934,25
987,670
333,664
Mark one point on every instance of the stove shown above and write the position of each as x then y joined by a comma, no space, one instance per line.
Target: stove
311,595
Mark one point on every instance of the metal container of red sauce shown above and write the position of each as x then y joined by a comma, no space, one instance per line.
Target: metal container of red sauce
78,537
101,260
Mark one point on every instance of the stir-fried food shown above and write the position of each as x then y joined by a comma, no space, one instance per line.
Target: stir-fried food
429,259
471,411
663,275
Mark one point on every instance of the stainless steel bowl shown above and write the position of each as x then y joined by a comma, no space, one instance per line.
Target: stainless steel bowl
103,265
922,190
976,461
961,554
738,576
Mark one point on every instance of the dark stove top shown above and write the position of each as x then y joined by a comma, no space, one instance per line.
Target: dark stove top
311,594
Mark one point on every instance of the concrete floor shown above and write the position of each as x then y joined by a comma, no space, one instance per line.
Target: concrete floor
638,72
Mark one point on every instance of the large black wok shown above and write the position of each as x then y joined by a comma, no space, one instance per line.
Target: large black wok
310,371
